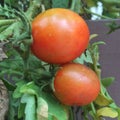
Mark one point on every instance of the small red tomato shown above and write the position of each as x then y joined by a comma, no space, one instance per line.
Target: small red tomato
76,84
59,36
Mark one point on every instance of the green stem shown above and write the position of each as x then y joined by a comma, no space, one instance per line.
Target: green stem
73,5
6,22
95,61
97,70
3,28
26,61
94,114
111,2
71,113
32,10
102,16
85,113
93,108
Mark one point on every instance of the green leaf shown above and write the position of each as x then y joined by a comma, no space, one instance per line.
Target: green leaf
98,43
56,110
21,110
6,22
6,11
30,88
113,26
42,109
10,1
11,111
92,36
30,108
107,81
102,100
118,110
17,30
76,6
8,84
2,28
91,3
34,62
4,35
15,3
85,57
107,112
47,4
60,3
17,92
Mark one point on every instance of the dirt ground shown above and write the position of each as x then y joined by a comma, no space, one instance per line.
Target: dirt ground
3,101
3,92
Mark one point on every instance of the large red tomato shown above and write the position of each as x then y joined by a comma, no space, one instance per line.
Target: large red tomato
59,35
76,84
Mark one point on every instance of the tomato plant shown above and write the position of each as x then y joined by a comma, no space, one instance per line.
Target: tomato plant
59,35
76,84
56,36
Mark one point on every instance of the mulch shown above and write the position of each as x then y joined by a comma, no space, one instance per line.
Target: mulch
4,101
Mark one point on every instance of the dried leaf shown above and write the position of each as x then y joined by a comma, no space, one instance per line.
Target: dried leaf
107,112
42,109
101,100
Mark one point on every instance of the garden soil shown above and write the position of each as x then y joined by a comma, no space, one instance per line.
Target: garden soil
3,91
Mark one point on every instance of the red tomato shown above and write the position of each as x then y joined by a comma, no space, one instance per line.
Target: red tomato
76,84
59,35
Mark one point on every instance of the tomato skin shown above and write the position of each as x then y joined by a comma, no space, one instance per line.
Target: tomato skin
76,84
59,36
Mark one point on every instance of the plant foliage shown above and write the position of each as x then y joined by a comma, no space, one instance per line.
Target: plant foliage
28,79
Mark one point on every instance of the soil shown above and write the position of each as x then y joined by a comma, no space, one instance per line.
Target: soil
3,92
3,101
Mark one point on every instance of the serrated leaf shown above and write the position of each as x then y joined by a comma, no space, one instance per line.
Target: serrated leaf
107,112
30,88
6,22
107,81
17,92
56,110
17,30
112,26
85,57
13,3
30,108
8,84
4,35
3,28
34,62
42,109
60,3
7,11
101,100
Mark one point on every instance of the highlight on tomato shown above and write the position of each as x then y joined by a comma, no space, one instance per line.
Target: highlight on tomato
76,84
59,36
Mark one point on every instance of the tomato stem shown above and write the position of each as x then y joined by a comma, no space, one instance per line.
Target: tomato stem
32,10
93,108
95,59
71,113
102,16
7,22
73,5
